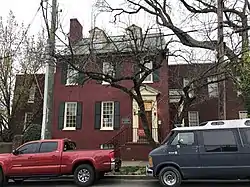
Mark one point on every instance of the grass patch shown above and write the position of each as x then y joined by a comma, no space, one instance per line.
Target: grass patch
131,170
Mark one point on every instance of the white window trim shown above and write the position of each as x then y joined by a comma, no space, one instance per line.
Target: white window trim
65,117
151,75
198,120
104,82
67,80
240,112
33,92
210,94
113,118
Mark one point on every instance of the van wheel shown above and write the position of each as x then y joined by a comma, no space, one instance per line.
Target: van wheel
170,176
84,175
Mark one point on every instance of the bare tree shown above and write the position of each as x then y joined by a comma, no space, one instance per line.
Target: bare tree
236,36
18,54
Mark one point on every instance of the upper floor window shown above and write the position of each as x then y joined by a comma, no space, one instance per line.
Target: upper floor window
108,69
213,90
72,75
149,66
193,118
186,82
32,94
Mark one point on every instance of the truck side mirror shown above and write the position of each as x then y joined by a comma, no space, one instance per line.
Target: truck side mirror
15,152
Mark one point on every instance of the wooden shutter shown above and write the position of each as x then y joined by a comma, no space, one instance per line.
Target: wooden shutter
136,70
98,115
79,116
61,116
117,115
64,69
156,73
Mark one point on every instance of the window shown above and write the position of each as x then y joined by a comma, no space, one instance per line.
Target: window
149,66
28,117
185,83
242,114
193,118
108,69
186,138
28,148
70,116
107,146
107,118
72,76
238,82
32,94
47,147
246,135
213,90
219,141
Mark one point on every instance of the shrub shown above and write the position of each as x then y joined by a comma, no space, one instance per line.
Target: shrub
33,132
7,135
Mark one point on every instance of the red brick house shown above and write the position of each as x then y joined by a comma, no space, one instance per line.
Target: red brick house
95,113
29,105
206,106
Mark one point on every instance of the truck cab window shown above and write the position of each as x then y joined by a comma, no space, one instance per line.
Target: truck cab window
47,147
69,146
28,148
183,138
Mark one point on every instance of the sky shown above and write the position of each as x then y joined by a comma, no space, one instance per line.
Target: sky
26,12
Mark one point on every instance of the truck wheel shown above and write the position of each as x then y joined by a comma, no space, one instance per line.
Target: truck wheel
3,179
170,176
84,175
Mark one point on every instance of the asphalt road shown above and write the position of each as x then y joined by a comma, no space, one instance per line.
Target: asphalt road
128,183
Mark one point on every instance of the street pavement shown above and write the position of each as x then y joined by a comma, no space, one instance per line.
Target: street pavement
128,183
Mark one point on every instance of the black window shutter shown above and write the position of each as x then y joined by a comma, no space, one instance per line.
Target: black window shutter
79,116
61,115
64,69
81,78
156,73
98,115
118,72
136,70
100,67
117,116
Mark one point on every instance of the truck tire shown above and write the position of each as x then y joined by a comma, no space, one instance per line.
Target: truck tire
170,176
3,179
84,175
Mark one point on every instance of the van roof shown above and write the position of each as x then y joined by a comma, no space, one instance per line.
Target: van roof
219,124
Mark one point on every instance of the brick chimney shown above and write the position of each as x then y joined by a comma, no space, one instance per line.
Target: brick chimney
75,30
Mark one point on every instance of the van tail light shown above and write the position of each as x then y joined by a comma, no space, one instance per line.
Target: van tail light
112,156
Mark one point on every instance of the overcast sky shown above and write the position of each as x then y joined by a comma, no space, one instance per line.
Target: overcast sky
25,11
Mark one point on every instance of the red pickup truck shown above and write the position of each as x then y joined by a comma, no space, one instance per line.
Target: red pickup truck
56,157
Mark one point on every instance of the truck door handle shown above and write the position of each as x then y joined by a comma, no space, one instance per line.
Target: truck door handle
30,157
54,156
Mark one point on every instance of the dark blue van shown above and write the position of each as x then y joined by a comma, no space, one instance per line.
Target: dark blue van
213,150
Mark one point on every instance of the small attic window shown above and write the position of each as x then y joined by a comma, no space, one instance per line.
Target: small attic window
247,122
218,123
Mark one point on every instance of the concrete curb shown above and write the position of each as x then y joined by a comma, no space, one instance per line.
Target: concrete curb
131,177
